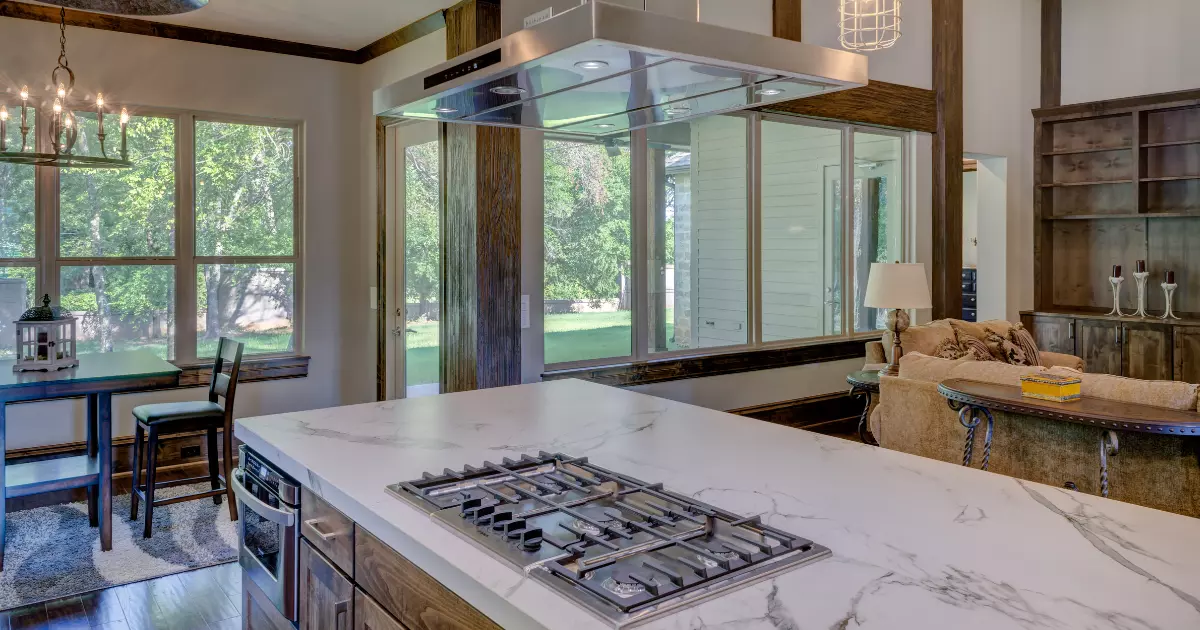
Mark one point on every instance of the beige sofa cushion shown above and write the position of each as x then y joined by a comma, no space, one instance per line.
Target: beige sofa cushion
920,367
1167,394
933,339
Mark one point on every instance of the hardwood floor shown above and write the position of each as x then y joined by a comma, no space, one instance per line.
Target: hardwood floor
204,599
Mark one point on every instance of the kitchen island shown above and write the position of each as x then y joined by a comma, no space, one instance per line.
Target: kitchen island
916,543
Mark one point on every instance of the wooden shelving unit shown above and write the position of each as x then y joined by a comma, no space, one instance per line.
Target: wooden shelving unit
1117,181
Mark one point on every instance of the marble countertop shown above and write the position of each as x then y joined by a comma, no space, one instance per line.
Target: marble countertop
916,543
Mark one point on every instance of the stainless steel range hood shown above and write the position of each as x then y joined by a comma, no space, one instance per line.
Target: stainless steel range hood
600,68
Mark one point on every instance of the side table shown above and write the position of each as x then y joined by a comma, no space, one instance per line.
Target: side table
864,384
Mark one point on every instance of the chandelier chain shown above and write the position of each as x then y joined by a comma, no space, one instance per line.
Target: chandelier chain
62,38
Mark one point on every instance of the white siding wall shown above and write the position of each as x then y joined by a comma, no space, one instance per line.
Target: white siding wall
795,251
719,219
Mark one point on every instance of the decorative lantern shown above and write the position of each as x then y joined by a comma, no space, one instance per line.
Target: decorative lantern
869,24
45,339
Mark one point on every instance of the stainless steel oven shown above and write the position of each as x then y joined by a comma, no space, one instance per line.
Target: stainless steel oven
269,529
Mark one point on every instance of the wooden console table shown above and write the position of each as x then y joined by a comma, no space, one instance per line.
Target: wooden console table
975,402
97,377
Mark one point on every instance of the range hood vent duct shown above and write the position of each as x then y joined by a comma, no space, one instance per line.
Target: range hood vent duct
602,68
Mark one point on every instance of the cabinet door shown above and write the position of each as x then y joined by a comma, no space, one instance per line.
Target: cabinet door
326,595
369,615
1053,334
1099,345
1187,354
1147,349
258,612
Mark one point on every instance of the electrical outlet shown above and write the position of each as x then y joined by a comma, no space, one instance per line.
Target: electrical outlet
189,451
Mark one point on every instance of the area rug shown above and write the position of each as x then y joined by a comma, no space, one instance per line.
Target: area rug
52,552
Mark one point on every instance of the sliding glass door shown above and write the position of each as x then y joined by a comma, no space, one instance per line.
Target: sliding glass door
417,290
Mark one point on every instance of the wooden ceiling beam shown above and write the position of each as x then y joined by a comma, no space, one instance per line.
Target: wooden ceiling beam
785,19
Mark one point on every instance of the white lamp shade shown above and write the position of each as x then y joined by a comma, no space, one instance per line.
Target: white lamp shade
897,285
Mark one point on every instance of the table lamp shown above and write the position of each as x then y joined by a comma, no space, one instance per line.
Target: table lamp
899,287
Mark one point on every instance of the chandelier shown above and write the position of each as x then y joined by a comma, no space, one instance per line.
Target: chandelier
64,128
869,24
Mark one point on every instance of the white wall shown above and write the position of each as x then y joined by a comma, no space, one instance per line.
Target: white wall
970,231
1115,48
152,72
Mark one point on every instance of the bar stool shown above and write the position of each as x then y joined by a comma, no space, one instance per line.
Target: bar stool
167,419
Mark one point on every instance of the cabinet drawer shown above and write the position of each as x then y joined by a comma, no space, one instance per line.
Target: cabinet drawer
369,615
408,593
969,315
968,275
968,286
970,300
328,530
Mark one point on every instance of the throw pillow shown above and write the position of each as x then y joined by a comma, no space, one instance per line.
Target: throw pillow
1004,349
975,348
949,349
1023,340
925,338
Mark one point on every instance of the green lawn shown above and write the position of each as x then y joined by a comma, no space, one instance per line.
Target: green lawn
569,337
256,343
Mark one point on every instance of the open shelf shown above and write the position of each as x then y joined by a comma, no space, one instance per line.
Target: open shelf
1086,150
1173,143
1173,178
1098,183
51,474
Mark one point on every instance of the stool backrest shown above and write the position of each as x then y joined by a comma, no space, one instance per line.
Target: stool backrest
222,385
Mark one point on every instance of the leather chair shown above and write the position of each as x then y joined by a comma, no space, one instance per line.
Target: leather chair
167,419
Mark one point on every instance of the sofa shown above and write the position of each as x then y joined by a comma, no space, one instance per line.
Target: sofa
945,338
1158,471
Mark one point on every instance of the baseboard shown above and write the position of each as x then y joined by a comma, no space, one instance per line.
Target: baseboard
829,413
171,465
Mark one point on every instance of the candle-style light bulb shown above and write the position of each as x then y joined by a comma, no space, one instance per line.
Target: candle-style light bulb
124,121
57,107
3,128
99,99
3,113
24,92
124,116
68,120
62,91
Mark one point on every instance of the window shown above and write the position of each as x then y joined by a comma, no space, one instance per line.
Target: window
588,266
422,267
749,237
196,240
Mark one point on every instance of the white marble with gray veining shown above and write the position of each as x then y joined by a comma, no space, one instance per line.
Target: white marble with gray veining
916,543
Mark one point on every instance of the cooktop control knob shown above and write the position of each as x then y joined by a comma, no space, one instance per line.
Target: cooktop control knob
513,528
500,518
531,539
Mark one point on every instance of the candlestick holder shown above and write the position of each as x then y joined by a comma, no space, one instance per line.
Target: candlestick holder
1141,296
1169,292
1116,289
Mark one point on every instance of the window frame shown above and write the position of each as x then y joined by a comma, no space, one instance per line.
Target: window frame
49,261
640,215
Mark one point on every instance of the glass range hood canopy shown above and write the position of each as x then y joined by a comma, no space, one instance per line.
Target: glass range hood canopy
601,69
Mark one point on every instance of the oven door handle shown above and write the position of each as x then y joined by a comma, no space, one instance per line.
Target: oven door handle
285,517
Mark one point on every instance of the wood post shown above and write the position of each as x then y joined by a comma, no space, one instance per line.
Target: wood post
947,158
785,19
481,232
1051,53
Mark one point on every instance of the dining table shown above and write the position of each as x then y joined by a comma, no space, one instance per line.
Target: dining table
96,378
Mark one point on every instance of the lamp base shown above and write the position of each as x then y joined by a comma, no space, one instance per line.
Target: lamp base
897,322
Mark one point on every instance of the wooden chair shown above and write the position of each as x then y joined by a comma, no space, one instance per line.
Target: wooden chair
167,419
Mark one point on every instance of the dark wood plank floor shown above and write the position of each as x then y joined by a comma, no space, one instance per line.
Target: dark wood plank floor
204,599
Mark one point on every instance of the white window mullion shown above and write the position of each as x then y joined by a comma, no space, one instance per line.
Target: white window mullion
847,231
754,232
185,242
640,216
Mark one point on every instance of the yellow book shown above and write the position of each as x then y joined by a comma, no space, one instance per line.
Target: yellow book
1051,387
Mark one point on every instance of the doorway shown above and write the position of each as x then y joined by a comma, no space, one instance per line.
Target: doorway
985,238
414,237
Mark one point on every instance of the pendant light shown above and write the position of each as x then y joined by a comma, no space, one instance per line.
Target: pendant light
868,25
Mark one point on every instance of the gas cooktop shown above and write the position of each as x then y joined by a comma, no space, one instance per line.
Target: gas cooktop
625,549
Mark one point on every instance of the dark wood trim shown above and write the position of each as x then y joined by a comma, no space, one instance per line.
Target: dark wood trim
381,274
121,24
1051,53
970,166
786,19
430,23
252,370
947,158
828,413
673,369
878,103
1182,98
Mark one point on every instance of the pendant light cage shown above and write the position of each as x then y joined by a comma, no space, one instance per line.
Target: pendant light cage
869,24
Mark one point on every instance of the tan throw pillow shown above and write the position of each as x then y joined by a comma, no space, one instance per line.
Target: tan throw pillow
1023,340
975,348
921,367
979,330
925,338
1004,349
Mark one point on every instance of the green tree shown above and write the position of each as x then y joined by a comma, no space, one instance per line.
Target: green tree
422,207
587,223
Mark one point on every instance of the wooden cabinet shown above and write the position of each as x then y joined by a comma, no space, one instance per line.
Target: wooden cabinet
1187,354
1052,333
328,530
258,612
1098,343
369,615
326,594
1147,351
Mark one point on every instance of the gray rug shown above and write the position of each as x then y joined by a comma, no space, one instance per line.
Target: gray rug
52,552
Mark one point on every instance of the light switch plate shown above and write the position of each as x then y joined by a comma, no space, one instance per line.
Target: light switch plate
374,298
524,311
